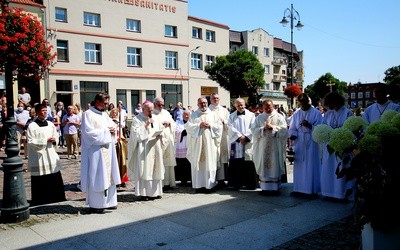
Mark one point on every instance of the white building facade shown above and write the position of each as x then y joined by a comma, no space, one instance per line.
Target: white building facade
134,50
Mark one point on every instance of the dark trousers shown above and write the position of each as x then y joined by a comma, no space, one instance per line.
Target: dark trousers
242,173
183,171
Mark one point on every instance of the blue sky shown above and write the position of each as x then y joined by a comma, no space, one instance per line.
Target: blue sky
353,40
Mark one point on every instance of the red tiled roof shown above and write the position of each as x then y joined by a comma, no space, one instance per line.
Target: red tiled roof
196,19
27,2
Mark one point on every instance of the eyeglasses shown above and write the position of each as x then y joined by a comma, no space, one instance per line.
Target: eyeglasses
160,105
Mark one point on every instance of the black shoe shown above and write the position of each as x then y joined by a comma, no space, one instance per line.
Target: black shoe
304,195
200,190
154,198
96,210
166,188
144,198
123,185
221,184
112,208
269,192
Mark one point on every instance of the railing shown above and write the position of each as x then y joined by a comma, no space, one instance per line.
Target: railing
279,78
272,93
280,61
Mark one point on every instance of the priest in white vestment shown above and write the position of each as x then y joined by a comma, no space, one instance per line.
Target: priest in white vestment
99,166
168,141
241,170
307,163
269,148
145,154
204,129
223,148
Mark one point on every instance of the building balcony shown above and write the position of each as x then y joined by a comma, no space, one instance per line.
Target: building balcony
272,93
279,61
279,78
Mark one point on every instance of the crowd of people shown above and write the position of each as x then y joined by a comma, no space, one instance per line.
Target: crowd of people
207,148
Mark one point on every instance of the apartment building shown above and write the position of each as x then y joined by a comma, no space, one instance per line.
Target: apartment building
273,54
360,95
133,49
137,50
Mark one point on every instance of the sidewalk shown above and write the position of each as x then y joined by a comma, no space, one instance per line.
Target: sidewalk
182,219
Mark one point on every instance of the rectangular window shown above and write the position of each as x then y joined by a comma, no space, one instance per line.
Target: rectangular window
121,96
135,100
353,95
91,19
266,52
62,51
134,56
360,94
171,59
196,33
267,86
88,90
196,61
92,53
210,59
266,69
172,93
150,94
61,14
276,86
171,31
63,85
254,49
133,25
367,94
210,36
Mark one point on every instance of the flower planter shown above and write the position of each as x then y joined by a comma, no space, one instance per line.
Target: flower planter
375,240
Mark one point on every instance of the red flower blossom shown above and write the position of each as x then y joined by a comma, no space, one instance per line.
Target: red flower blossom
22,43
292,91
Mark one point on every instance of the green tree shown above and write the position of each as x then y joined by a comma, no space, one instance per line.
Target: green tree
309,90
239,72
323,86
392,78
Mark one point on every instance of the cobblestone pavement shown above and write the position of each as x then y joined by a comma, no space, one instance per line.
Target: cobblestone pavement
341,234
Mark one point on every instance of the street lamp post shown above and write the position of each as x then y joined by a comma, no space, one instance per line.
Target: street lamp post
292,14
188,73
15,207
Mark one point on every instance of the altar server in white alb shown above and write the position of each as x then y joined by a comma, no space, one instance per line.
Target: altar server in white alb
44,163
145,154
99,167
241,171
269,148
307,163
331,185
374,112
204,129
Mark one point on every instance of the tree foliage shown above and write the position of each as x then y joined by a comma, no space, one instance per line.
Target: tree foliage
239,72
392,78
321,87
22,43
